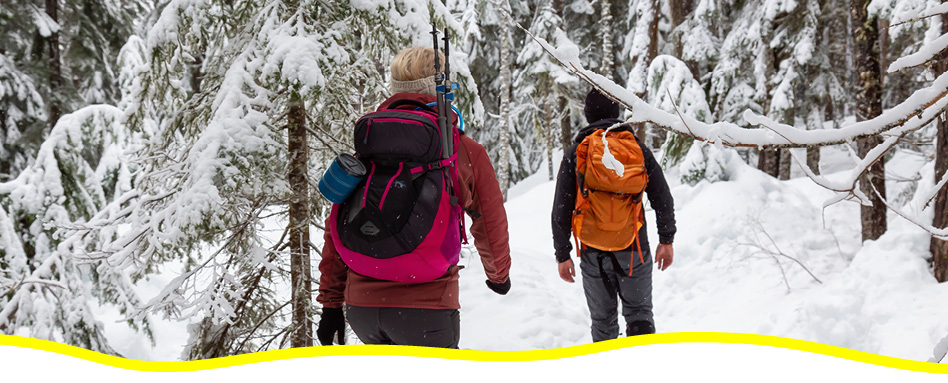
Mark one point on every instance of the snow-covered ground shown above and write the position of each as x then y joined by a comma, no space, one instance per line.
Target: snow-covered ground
878,297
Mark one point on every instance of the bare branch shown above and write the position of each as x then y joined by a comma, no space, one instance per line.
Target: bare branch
935,232
938,10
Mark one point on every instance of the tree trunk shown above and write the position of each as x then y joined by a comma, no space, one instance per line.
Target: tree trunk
868,106
566,126
784,166
939,248
55,67
503,168
767,161
197,69
657,135
813,154
606,29
678,9
548,134
813,159
300,269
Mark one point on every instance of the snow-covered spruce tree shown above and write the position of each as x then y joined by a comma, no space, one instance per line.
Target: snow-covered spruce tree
771,54
93,32
540,87
63,52
21,107
673,89
580,21
642,46
486,25
699,38
49,293
577,18
271,72
804,83
740,67
678,12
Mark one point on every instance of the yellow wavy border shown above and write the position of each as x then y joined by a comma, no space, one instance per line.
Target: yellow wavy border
474,355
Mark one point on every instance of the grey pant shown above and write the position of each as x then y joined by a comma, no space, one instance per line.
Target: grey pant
635,292
405,326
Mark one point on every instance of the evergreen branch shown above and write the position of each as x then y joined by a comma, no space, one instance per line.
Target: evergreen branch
261,322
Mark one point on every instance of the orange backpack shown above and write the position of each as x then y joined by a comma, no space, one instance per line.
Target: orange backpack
608,211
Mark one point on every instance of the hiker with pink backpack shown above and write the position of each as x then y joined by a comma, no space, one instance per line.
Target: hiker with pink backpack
392,243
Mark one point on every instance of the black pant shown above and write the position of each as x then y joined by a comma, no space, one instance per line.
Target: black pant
406,326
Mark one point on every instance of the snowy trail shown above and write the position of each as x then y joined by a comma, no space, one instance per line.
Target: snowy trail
879,298
541,310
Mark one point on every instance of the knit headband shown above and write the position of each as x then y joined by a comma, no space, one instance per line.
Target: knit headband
424,85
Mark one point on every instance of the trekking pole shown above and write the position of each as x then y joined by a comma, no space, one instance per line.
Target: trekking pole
448,91
439,90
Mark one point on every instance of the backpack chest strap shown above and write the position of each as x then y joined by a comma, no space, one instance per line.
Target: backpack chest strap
434,165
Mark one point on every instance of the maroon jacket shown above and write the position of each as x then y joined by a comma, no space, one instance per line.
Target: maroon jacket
479,192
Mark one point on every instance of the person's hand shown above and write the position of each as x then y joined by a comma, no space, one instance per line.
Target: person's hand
664,256
331,322
499,288
567,271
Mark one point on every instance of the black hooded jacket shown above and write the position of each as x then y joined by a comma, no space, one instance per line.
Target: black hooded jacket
564,202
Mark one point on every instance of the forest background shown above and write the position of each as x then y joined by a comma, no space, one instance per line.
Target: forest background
140,135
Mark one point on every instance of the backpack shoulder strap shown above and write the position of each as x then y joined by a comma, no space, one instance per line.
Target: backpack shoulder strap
410,102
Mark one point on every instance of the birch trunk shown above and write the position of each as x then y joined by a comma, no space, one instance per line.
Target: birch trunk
548,134
503,166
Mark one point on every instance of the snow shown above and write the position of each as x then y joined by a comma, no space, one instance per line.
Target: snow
45,25
878,297
608,160
928,51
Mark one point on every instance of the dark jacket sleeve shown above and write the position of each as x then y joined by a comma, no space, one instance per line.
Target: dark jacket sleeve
660,197
332,275
564,202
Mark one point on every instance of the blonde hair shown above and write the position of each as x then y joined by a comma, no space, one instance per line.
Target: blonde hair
415,63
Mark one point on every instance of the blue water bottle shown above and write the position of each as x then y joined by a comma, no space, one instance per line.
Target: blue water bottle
341,178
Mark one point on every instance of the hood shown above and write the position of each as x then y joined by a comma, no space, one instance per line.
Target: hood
601,124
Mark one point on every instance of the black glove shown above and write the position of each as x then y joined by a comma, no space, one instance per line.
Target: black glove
499,288
330,323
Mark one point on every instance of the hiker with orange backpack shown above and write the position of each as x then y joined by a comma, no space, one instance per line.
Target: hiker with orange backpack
599,198
391,247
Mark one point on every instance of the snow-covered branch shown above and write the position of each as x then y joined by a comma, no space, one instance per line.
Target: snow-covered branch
936,10
915,112
929,51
